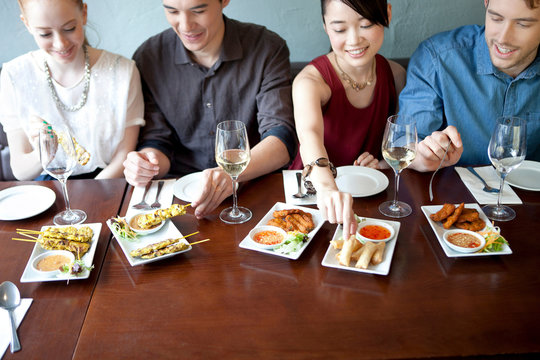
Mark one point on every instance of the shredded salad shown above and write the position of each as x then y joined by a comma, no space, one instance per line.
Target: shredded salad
293,243
494,239
122,229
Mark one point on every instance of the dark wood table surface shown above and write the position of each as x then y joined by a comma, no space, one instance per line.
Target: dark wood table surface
222,301
53,322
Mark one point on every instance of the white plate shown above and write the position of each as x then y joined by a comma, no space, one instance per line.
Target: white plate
24,201
168,231
188,187
439,230
31,275
383,268
317,219
360,181
526,176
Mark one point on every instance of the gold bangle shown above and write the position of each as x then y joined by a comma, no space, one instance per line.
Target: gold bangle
320,162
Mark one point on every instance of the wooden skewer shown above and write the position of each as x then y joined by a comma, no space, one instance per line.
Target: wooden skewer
198,242
24,240
185,236
28,231
27,235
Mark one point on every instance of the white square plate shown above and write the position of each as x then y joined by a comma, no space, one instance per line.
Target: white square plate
439,230
383,268
317,219
30,275
168,231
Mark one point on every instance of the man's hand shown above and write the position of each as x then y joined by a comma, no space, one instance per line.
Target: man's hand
216,186
140,167
366,159
336,207
430,151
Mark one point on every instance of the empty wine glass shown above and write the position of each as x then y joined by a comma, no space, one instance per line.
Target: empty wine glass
233,155
399,150
58,158
507,150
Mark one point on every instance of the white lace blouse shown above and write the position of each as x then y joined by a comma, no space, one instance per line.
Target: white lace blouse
114,102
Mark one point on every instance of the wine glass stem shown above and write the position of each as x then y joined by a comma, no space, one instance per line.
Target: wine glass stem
234,212
499,198
396,188
66,197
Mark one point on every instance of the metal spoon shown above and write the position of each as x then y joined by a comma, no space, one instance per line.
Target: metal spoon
486,188
299,194
10,298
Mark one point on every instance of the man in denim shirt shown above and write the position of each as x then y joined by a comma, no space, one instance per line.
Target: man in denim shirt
459,82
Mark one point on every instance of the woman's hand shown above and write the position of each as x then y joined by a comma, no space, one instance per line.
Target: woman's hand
35,125
366,159
336,207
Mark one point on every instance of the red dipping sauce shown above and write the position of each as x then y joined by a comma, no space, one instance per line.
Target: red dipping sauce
375,232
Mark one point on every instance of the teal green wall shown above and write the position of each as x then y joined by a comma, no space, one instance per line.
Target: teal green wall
121,25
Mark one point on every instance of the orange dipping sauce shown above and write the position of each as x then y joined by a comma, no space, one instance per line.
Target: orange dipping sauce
375,232
268,237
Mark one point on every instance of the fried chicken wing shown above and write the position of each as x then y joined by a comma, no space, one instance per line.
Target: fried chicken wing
476,225
446,211
469,215
453,218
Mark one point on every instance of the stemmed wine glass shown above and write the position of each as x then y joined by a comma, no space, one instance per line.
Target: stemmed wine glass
59,158
399,150
233,155
507,150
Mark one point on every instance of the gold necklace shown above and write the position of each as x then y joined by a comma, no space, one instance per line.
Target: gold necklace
354,84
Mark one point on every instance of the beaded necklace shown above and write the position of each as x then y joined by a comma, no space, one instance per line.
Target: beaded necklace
84,94
355,84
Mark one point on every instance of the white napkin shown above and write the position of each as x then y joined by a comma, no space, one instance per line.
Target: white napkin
291,187
165,197
5,324
475,186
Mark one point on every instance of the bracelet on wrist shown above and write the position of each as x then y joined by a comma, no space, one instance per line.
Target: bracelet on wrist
320,162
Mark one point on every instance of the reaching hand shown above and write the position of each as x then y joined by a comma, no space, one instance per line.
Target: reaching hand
216,186
140,167
336,207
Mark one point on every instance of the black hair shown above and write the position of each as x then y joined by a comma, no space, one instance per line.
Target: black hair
375,11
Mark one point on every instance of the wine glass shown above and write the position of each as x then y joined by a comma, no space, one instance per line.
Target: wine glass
58,158
507,150
399,150
233,155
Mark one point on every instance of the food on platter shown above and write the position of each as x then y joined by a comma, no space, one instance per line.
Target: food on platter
122,229
75,268
293,243
76,247
293,220
74,239
151,251
494,239
460,217
269,237
463,239
52,261
148,221
374,231
81,234
364,254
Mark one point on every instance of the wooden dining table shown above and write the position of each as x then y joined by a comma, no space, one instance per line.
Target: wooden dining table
222,301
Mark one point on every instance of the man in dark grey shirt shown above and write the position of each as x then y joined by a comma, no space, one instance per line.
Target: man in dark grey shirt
204,70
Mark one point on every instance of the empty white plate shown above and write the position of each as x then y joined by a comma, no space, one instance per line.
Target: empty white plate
360,181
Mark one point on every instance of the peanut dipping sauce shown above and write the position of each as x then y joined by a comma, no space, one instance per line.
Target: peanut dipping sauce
464,240
53,262
135,225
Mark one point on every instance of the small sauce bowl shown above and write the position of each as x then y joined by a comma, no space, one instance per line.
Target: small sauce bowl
374,231
267,236
49,262
465,241
132,223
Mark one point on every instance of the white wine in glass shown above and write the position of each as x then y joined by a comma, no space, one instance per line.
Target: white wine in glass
399,150
58,158
507,150
233,155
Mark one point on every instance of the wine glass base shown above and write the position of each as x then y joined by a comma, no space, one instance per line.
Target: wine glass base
499,213
396,209
69,217
243,214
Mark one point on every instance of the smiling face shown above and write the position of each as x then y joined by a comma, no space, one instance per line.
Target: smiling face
199,25
57,27
512,34
354,39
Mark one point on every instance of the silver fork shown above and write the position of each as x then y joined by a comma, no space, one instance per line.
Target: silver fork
486,188
156,203
143,204
432,176
299,194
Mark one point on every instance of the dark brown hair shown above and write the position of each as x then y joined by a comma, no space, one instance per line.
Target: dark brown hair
375,11
531,4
